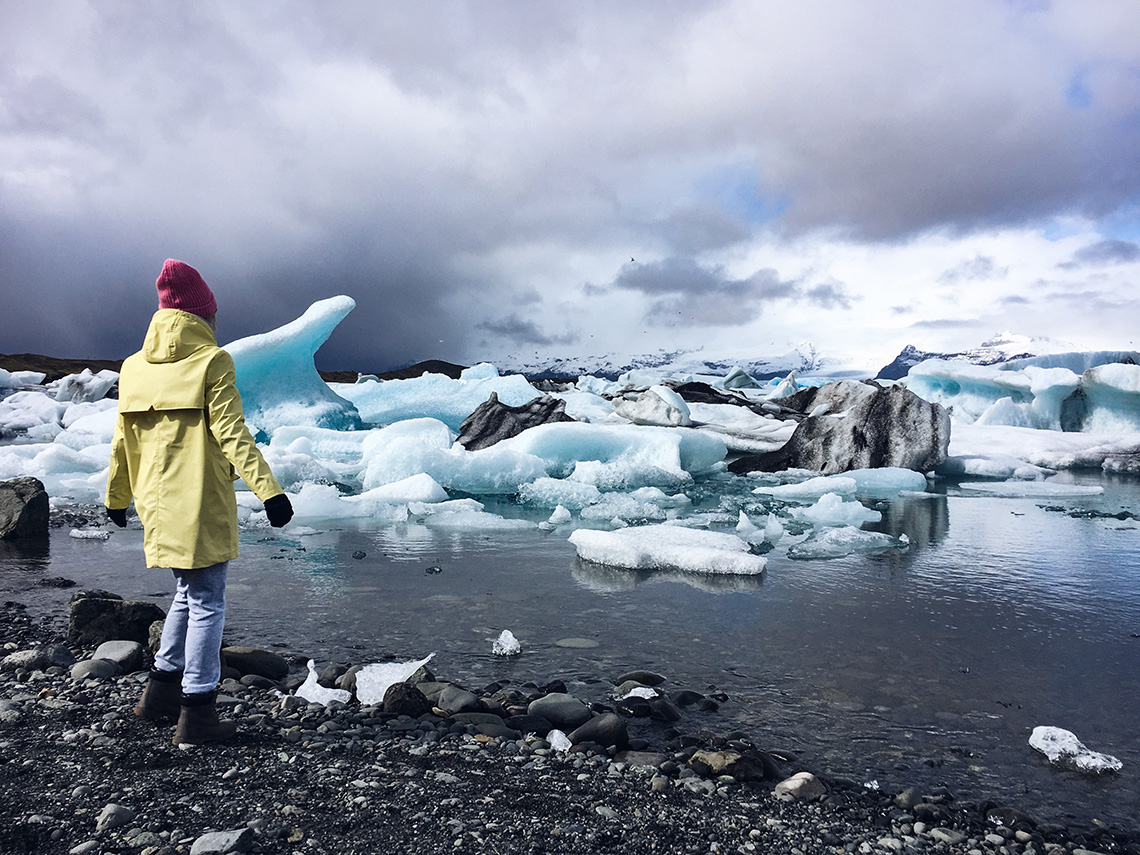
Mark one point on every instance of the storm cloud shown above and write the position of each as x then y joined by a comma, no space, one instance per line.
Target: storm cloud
436,160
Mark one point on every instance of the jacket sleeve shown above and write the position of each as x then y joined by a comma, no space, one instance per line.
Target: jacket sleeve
118,476
227,424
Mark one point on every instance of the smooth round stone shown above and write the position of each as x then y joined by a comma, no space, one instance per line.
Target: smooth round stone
576,643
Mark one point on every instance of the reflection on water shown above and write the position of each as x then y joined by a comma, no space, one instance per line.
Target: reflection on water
929,666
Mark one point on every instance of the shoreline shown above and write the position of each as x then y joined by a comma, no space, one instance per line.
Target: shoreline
346,779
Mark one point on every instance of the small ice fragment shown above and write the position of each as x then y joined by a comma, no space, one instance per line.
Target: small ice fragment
315,693
773,530
640,692
90,534
871,785
561,516
1062,746
372,681
506,644
558,740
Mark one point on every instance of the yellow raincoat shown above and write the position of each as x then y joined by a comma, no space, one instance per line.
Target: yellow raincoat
179,438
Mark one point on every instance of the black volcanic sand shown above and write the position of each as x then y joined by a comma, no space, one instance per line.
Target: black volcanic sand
346,779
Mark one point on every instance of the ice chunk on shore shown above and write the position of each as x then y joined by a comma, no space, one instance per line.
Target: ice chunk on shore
372,681
278,381
1031,489
845,540
668,547
506,644
435,396
315,693
832,510
1062,746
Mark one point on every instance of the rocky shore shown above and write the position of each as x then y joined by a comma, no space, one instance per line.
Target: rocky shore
79,773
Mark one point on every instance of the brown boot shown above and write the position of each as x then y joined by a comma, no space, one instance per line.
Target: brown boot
198,721
162,698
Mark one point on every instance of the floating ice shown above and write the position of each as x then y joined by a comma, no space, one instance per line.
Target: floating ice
620,456
1031,489
372,681
984,450
831,510
278,381
845,540
668,547
315,693
426,445
21,411
561,516
1105,397
885,481
506,644
812,488
85,386
435,396
558,492
658,405
89,534
17,379
464,514
1062,746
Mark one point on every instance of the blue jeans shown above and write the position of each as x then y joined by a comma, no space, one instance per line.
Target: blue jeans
192,632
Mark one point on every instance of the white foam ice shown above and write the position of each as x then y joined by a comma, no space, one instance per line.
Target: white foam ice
1062,746
668,547
313,692
278,380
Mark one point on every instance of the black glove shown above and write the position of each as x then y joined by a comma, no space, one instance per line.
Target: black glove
118,516
279,510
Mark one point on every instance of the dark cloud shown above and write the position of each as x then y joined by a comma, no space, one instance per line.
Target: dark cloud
1014,300
518,331
978,267
1103,253
831,295
694,230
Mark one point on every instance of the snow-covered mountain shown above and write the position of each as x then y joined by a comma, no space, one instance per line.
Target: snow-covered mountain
1002,347
803,359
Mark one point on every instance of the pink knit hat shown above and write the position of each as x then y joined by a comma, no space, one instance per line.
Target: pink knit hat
180,286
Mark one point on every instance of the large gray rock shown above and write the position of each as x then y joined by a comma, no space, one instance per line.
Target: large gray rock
453,700
94,620
406,699
494,421
607,729
223,842
251,660
128,655
883,427
95,669
38,659
563,711
23,509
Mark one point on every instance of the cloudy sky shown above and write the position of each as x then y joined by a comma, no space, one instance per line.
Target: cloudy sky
527,178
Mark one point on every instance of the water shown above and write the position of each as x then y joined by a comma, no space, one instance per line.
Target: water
927,667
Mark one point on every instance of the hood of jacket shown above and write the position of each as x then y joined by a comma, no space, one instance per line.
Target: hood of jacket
174,335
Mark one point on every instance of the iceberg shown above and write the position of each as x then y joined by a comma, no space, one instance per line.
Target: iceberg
1040,394
85,386
658,405
435,396
278,381
1031,489
668,547
812,488
1062,746
620,456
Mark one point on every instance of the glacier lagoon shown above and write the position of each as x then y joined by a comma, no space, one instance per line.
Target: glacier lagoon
928,666
888,628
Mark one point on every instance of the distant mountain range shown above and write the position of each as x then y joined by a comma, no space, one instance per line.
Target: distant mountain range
804,359
1003,347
